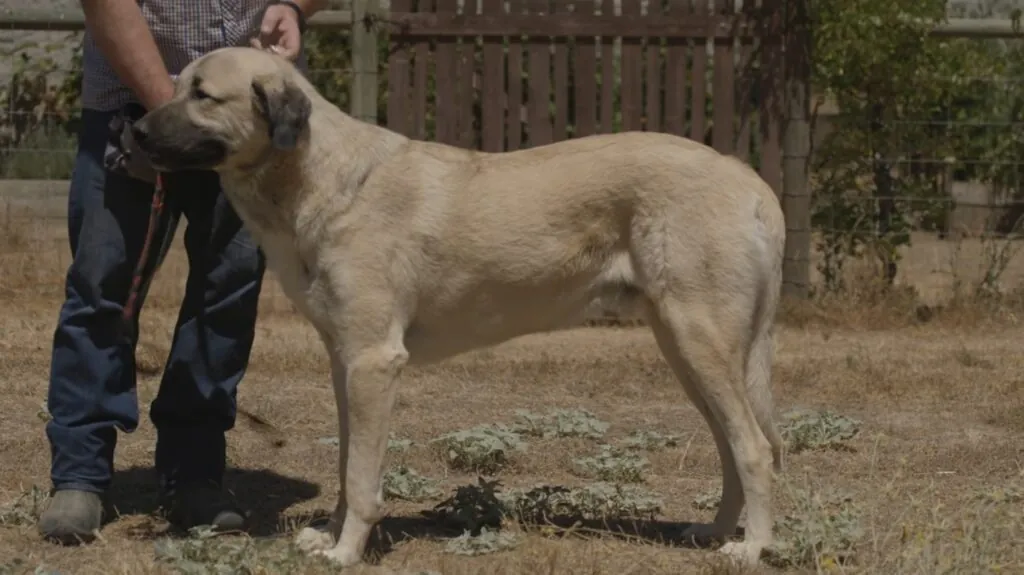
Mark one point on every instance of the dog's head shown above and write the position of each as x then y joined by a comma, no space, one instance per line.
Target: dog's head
231,107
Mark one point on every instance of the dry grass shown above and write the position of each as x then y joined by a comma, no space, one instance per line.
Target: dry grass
934,475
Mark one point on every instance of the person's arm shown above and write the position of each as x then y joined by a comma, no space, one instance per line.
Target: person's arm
122,35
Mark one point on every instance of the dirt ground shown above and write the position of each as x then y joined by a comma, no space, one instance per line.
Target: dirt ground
935,476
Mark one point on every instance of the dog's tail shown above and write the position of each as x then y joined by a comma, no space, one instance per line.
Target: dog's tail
762,347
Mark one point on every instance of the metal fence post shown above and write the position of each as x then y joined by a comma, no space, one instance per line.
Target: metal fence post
796,143
364,34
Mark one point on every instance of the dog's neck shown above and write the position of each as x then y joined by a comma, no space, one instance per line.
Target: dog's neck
282,191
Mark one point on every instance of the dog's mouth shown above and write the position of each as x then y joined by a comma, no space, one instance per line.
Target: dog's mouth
201,154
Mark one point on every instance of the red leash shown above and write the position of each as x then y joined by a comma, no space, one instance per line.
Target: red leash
140,277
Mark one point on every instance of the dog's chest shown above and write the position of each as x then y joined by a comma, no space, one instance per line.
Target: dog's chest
265,223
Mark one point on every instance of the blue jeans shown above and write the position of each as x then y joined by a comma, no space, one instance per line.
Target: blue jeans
92,376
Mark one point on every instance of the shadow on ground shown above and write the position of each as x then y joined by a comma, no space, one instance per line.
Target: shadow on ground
264,494
393,530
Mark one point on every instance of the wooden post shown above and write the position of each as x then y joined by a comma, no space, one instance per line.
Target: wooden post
364,37
796,143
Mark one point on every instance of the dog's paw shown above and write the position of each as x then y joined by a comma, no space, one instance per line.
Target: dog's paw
743,552
313,540
340,557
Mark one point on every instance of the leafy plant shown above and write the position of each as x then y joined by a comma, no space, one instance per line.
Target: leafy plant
709,499
407,484
808,430
649,440
471,507
822,532
202,553
613,464
399,445
41,110
597,501
560,423
483,449
483,543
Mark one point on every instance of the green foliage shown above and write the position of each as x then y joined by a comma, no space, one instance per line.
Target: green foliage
475,507
203,553
911,108
602,501
822,532
613,464
560,423
483,449
649,440
483,543
471,507
709,499
809,430
41,110
407,484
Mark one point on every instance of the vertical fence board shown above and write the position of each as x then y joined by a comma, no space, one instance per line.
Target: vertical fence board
585,79
632,73
698,80
652,72
607,75
561,77
465,76
539,86
746,80
675,74
770,104
421,58
446,127
398,77
723,91
493,98
515,84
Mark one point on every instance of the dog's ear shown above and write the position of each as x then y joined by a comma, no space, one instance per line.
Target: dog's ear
284,107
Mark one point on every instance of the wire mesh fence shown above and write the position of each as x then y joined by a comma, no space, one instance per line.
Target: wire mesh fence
927,196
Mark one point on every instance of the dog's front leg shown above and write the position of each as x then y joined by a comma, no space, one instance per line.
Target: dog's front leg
371,383
309,538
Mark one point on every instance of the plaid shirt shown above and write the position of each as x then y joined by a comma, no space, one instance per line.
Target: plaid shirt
183,30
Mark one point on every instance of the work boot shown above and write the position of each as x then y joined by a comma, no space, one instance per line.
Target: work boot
72,517
200,503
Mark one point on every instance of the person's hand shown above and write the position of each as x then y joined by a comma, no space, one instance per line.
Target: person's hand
279,32
122,155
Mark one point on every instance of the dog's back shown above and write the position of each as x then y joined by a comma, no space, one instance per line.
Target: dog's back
509,244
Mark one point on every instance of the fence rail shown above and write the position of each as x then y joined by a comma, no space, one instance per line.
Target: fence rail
477,78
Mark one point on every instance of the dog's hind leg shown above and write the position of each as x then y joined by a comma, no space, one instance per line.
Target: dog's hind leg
707,348
732,501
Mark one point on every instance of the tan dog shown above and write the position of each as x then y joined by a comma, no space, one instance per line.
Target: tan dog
402,251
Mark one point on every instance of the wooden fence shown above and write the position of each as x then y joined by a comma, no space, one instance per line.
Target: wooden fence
496,75
502,75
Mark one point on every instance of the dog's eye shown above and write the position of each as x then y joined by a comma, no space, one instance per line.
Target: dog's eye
199,94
